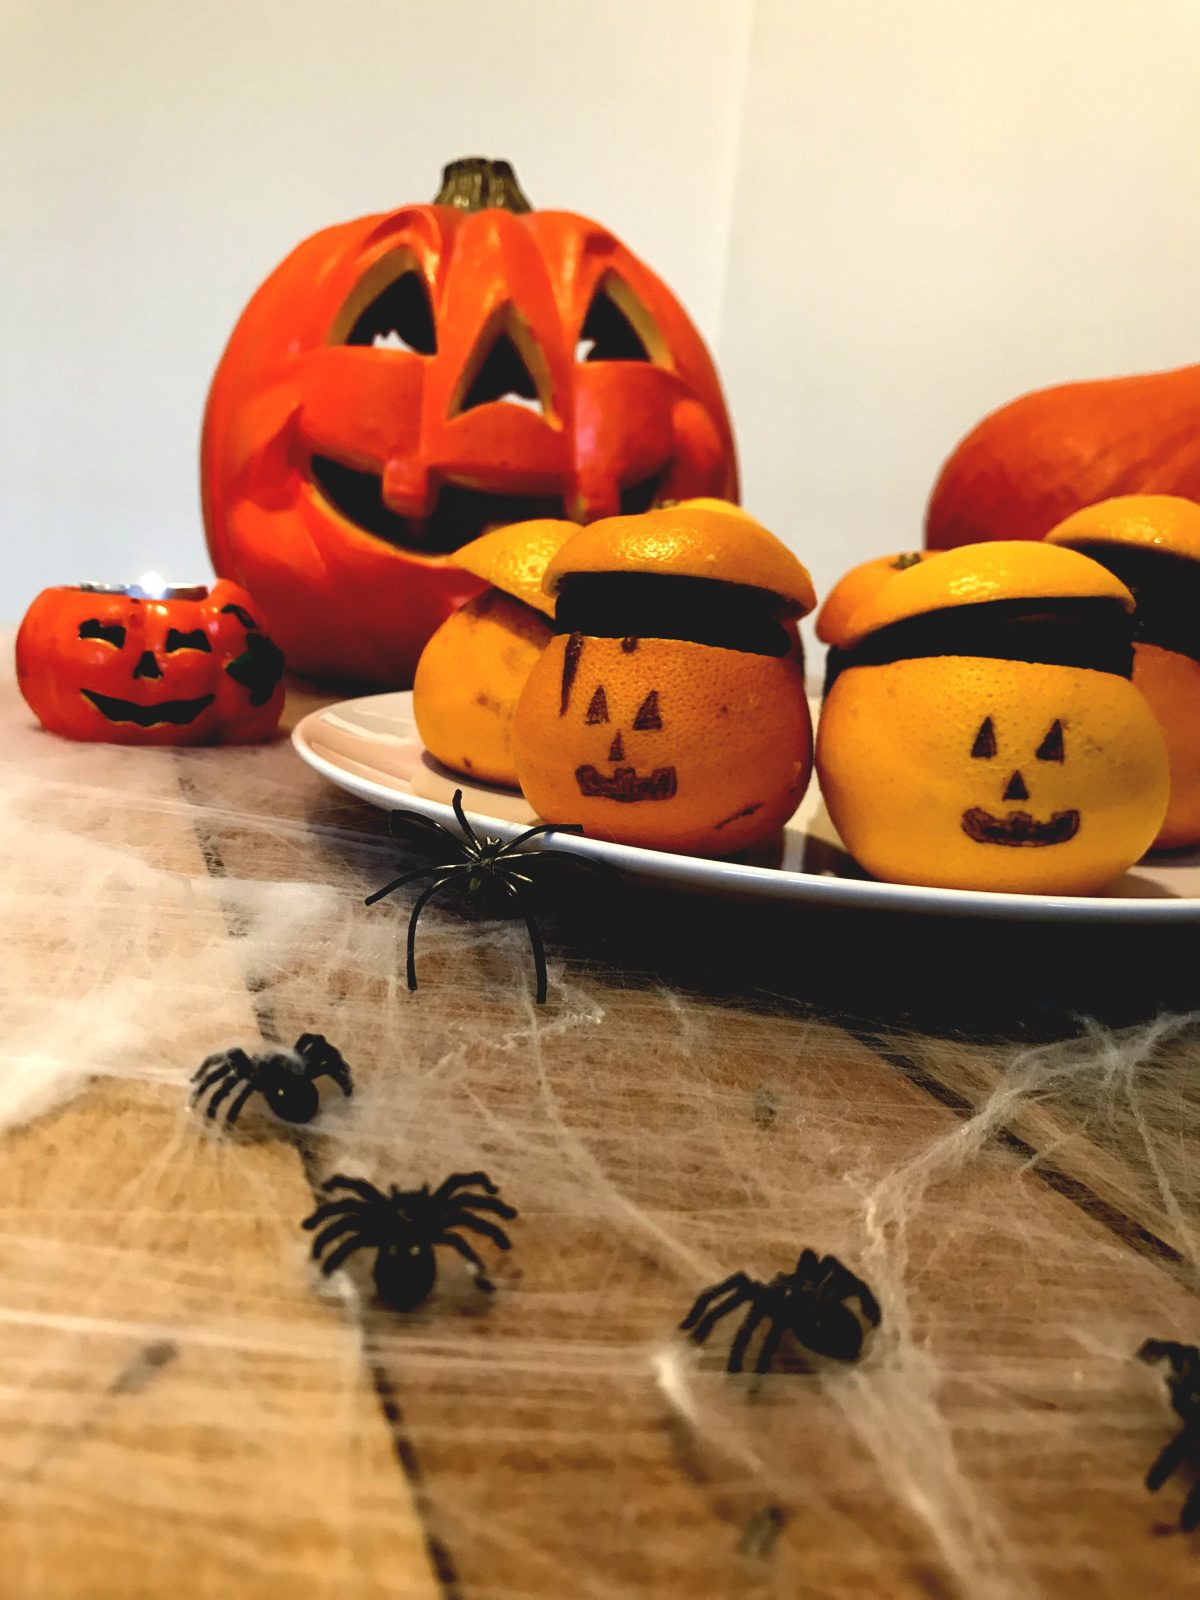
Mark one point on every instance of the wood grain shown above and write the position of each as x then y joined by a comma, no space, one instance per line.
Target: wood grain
709,1088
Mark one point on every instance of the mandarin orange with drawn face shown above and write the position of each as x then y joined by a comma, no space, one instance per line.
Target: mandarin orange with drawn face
1152,543
982,731
669,711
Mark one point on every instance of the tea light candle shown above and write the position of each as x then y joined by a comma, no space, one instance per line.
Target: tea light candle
150,663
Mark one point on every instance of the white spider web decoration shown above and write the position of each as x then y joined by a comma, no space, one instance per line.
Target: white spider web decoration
187,1408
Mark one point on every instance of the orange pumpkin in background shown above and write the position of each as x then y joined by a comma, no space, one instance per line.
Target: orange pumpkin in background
1038,459
403,382
113,664
1151,542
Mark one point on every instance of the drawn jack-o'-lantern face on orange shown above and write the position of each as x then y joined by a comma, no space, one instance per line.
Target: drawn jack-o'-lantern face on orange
1019,827
664,742
978,773
670,711
982,731
624,783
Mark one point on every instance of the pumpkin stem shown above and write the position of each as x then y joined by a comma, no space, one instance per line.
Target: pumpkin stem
477,184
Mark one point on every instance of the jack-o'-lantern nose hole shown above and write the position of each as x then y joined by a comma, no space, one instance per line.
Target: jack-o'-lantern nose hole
1016,788
503,375
616,750
147,667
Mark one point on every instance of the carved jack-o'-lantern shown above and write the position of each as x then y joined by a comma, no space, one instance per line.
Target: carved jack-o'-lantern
669,711
981,731
120,666
404,382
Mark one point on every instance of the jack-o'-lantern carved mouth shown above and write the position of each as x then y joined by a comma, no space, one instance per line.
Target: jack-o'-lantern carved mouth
625,784
178,713
1019,827
459,514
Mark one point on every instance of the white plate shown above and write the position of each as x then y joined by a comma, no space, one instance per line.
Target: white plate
371,748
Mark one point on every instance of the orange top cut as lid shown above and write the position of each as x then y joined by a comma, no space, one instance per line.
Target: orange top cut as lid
857,586
515,557
1164,522
695,539
1006,569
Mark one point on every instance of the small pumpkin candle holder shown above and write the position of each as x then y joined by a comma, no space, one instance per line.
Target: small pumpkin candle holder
148,664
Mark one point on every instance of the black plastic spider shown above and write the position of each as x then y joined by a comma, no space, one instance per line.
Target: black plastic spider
403,1226
809,1303
488,869
286,1079
1184,1384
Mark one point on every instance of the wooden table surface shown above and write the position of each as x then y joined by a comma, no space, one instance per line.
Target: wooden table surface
187,1409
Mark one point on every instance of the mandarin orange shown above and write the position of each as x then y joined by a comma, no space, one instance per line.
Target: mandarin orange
858,585
982,732
670,713
471,673
1152,542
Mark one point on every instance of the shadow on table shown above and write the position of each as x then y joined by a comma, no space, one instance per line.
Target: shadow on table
868,969
929,973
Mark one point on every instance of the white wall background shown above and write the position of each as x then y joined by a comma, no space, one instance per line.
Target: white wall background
886,217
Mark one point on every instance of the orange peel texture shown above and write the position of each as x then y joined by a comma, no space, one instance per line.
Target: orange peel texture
1169,678
664,742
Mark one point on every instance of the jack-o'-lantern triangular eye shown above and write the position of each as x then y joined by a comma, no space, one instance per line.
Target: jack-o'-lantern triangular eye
984,747
648,715
597,710
398,318
608,332
1051,747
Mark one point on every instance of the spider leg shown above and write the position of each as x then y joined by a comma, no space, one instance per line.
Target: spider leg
236,1108
710,1319
1172,1456
339,1226
836,1279
736,1280
358,1186
399,883
535,940
463,1219
543,827
540,861
483,1202
333,1261
466,827
745,1333
336,1208
1189,1517
465,1250
464,1180
422,901
324,1060
235,1060
222,1094
213,1077
769,1346
221,1060
414,825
